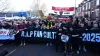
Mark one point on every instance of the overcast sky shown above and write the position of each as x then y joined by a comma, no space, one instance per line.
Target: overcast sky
23,5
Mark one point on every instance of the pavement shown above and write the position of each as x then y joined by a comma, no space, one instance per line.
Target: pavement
37,50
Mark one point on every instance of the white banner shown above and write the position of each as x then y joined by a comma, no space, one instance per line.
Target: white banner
6,34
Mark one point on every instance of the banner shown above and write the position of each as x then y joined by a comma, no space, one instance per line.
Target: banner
6,34
63,8
86,36
39,33
91,36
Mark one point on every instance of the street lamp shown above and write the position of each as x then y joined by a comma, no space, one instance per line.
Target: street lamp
75,8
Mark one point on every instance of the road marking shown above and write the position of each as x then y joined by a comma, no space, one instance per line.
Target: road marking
1,44
11,52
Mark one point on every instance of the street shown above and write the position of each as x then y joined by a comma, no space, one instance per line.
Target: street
37,50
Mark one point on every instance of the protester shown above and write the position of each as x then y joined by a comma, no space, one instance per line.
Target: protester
81,43
63,27
95,27
89,25
58,37
29,25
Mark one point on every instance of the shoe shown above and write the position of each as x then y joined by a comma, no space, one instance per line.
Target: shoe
77,52
50,44
24,44
1,44
84,49
47,44
21,44
71,48
64,52
79,47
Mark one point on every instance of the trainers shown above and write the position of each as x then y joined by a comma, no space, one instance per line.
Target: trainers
47,44
84,49
24,44
77,52
1,44
79,47
21,44
50,44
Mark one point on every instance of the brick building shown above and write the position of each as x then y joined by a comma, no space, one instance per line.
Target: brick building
90,8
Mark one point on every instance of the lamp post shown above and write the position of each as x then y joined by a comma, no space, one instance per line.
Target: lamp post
75,8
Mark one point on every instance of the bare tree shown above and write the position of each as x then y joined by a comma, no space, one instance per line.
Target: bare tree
37,6
43,7
4,5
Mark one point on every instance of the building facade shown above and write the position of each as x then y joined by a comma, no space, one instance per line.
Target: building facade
90,8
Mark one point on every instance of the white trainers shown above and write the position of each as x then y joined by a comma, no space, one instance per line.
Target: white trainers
47,44
21,44
24,44
71,48
77,52
1,44
50,44
79,47
84,49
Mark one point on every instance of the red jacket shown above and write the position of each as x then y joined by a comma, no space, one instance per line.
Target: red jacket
18,27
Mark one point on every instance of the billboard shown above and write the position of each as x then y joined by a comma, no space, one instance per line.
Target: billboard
22,14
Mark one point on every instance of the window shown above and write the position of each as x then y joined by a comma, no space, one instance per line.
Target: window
92,4
89,13
89,5
80,9
88,0
97,14
83,7
97,2
86,6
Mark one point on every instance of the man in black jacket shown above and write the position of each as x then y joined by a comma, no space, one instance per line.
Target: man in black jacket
58,38
75,36
81,43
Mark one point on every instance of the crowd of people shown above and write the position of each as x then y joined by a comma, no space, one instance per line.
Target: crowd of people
62,26
76,23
